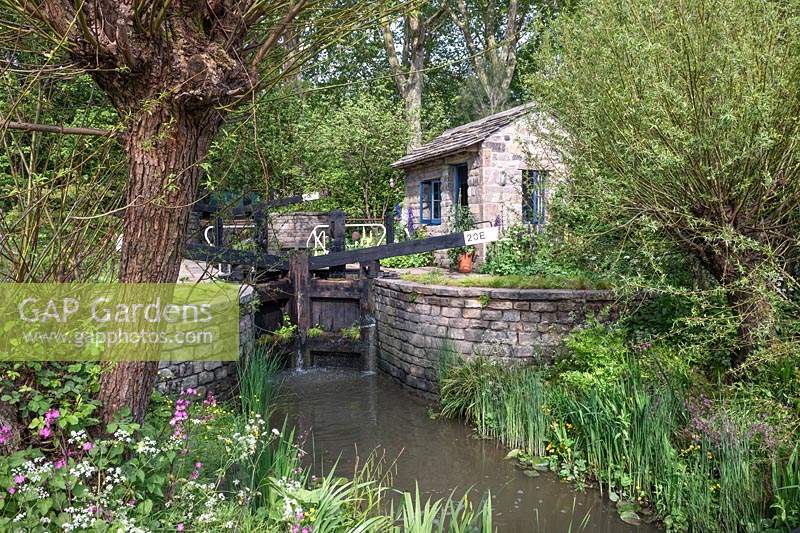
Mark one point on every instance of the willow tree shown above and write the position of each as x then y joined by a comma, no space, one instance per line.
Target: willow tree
173,70
682,118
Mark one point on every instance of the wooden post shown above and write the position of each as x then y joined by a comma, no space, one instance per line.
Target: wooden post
261,231
369,335
300,307
388,222
337,233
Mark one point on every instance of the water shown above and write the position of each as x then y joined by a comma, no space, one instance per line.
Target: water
348,414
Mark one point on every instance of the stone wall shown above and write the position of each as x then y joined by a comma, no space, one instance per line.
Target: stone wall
291,230
216,376
511,325
503,156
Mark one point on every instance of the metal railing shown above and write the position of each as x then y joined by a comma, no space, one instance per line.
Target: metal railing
318,239
224,269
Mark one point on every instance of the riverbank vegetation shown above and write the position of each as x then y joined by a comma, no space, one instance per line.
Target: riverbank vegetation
194,464
677,124
641,422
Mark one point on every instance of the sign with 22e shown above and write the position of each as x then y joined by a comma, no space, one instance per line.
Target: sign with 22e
479,236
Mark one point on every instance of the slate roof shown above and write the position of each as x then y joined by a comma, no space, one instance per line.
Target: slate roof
462,137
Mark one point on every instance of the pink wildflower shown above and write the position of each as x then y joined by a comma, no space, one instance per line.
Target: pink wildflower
45,432
19,479
5,433
210,400
61,463
179,527
195,474
181,414
12,490
51,416
87,446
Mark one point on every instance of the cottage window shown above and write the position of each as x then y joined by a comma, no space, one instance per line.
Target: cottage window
430,202
461,175
534,183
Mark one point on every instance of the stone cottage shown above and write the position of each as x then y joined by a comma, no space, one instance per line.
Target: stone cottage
497,166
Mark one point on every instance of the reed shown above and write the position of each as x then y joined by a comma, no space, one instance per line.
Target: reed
257,382
444,516
633,437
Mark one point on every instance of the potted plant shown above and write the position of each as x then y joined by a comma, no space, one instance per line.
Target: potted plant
462,219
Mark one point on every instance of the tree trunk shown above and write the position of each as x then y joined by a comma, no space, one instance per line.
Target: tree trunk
165,147
748,297
756,317
412,98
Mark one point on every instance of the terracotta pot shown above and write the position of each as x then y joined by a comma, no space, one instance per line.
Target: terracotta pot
465,263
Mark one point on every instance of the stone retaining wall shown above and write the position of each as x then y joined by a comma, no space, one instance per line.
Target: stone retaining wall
511,325
216,376
291,230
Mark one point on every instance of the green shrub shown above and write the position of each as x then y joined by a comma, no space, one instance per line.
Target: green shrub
33,389
424,259
594,357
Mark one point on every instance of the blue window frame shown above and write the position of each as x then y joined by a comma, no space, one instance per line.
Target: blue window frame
534,195
430,202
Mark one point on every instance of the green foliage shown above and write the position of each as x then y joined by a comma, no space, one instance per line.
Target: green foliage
352,333
282,335
512,253
315,331
420,260
666,112
338,145
256,375
33,389
460,219
594,357
56,190
444,516
350,149
423,259
524,252
631,421
505,281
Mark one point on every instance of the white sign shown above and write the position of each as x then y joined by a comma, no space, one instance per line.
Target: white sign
310,196
479,236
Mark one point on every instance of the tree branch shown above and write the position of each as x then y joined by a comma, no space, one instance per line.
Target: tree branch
47,128
277,32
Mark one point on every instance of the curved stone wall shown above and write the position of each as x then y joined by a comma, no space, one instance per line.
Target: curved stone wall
512,325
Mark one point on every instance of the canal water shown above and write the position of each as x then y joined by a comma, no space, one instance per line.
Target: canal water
347,414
